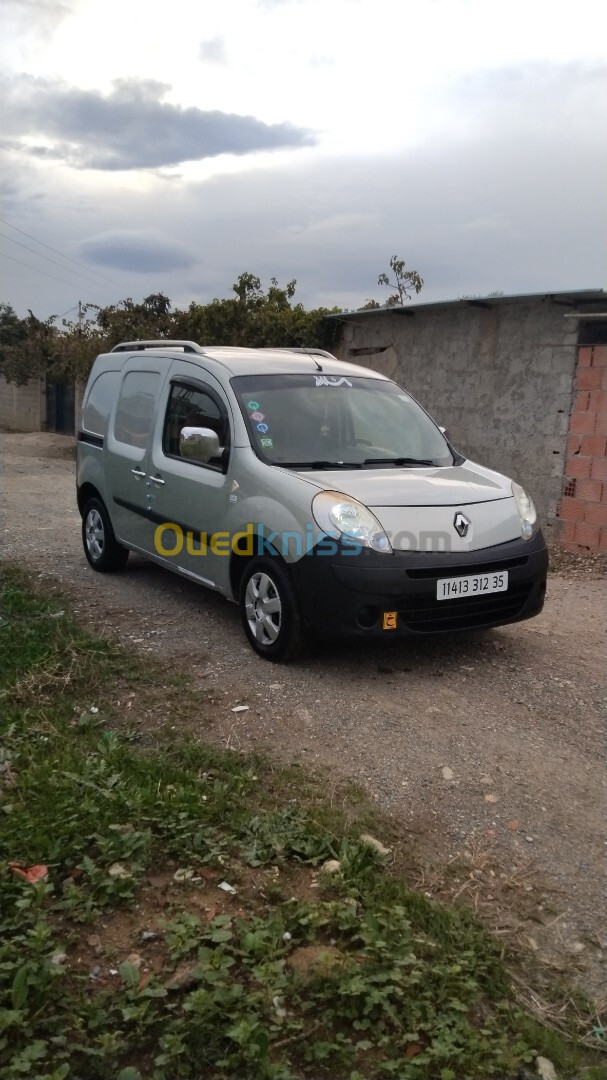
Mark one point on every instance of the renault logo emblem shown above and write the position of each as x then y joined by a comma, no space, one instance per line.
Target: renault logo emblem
461,523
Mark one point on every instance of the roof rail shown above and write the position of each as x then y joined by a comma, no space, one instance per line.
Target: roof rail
135,346
309,352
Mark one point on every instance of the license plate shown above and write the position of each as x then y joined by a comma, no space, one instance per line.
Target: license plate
474,585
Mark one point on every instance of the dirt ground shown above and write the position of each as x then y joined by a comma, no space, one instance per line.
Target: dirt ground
488,740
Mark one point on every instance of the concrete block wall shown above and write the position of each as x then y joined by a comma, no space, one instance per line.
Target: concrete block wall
22,408
499,377
583,507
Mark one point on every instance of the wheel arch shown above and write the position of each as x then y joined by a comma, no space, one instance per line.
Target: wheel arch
239,563
84,493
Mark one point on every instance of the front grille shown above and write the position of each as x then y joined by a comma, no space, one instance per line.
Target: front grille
496,566
429,615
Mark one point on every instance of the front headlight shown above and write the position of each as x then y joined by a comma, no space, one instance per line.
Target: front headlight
526,511
338,514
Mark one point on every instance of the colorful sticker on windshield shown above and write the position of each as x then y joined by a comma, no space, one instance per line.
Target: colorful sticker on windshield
252,404
332,380
263,428
267,443
258,416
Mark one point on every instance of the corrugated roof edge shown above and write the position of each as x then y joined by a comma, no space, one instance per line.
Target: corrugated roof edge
573,297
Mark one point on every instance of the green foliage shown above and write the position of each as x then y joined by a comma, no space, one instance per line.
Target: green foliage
252,317
366,979
405,281
26,345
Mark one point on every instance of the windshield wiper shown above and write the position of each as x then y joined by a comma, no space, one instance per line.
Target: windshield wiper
397,461
318,464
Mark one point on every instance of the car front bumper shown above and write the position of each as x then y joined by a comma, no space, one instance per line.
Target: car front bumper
345,594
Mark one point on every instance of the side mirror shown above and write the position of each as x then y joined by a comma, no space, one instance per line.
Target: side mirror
199,444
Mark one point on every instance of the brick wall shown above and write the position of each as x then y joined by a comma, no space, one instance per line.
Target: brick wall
583,507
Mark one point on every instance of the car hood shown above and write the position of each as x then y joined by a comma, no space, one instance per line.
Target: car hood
454,485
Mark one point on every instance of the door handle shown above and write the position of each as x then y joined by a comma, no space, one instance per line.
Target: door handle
137,472
157,480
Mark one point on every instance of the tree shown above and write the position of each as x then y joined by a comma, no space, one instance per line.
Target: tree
128,321
26,345
98,329
78,343
405,281
252,317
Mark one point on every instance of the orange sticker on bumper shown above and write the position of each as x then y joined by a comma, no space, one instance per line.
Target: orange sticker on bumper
390,618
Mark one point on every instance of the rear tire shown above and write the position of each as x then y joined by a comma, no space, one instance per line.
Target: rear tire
101,547
270,611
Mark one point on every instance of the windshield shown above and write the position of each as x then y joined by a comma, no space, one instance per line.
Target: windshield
322,421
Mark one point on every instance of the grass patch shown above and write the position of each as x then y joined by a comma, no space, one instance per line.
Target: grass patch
129,960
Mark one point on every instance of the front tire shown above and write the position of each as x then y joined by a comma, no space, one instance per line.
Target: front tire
270,611
101,547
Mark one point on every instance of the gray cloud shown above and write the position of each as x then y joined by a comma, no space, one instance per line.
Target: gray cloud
213,50
513,199
132,127
14,195
514,203
542,97
36,17
141,252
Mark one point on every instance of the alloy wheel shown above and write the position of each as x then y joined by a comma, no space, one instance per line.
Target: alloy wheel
94,534
263,608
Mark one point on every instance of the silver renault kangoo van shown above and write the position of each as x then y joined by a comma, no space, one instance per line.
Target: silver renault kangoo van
316,494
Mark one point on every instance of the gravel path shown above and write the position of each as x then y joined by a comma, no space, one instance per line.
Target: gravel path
499,734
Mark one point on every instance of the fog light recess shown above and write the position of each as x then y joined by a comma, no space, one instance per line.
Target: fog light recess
367,616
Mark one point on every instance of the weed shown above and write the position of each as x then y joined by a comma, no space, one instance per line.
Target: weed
360,977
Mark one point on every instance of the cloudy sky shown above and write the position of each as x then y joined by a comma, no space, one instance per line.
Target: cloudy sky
152,146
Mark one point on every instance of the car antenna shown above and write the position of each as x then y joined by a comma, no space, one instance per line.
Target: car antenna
303,348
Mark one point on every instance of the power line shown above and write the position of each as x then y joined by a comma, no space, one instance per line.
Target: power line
57,252
48,258
53,277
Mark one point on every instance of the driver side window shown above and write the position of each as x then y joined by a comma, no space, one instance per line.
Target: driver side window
189,406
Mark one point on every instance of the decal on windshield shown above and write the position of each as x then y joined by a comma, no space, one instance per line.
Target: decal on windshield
332,380
252,404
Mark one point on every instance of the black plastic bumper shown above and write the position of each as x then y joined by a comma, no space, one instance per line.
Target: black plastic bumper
346,594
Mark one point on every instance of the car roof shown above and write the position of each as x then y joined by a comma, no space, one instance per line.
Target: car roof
281,362
237,360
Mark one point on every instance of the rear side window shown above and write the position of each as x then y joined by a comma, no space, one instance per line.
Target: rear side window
96,412
136,407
